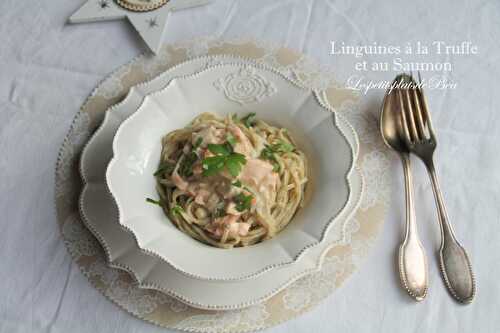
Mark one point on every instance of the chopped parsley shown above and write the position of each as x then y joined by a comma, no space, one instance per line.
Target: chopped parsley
237,184
177,210
213,165
165,167
249,119
198,143
224,157
268,154
231,139
282,147
234,163
243,202
269,151
222,149
220,210
154,202
186,166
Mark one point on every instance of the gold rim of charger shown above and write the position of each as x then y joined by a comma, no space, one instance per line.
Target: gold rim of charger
141,5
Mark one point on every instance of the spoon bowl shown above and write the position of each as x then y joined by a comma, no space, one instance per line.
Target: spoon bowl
390,120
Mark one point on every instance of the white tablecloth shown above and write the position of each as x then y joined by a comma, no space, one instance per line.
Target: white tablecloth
48,68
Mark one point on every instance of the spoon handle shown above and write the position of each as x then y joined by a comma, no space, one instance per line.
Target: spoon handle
454,262
412,260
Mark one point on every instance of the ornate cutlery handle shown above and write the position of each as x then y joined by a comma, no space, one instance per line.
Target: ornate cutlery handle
412,259
453,259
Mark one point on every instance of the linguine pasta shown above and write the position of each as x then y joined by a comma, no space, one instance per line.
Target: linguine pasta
230,182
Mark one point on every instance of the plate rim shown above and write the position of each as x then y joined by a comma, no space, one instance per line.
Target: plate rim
84,177
333,115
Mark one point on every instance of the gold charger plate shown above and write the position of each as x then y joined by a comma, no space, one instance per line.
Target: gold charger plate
301,296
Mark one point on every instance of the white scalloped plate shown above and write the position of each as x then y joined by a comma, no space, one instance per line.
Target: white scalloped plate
100,214
230,88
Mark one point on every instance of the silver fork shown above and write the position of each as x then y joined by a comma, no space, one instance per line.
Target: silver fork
420,139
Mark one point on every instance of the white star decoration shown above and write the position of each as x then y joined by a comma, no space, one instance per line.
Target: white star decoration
149,24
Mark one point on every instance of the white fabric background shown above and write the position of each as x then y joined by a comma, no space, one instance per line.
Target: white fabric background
48,68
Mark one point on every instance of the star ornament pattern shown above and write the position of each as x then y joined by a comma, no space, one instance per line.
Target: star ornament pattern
149,17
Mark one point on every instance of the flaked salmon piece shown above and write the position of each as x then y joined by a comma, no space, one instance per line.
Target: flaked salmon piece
233,229
200,192
212,202
243,144
201,196
255,171
214,230
238,229
220,224
229,222
209,135
243,228
260,175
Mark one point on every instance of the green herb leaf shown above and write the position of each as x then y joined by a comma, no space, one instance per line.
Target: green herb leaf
177,210
198,143
186,166
249,119
231,140
234,163
237,157
243,202
212,165
165,167
212,161
220,210
282,147
154,202
219,149
233,166
225,158
237,184
268,154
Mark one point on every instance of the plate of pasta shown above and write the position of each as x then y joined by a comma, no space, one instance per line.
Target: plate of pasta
230,172
230,182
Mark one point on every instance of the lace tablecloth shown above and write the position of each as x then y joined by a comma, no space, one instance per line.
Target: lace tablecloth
49,68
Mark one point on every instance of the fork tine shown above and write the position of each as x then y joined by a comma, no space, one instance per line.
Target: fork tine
406,131
425,109
418,114
409,116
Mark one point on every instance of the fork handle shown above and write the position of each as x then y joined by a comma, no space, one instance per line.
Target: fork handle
454,262
412,260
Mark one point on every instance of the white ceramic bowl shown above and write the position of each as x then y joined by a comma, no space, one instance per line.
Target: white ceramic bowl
230,88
